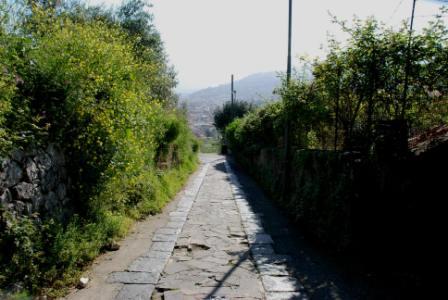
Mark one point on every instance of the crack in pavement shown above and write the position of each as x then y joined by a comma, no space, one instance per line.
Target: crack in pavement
213,247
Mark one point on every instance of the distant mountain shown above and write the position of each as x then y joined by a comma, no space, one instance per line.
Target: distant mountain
256,88
185,91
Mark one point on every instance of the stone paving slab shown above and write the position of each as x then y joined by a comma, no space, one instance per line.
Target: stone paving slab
136,292
166,230
273,269
163,246
259,238
173,295
183,208
158,254
178,219
262,249
280,283
160,237
178,213
270,258
286,296
133,277
175,225
252,229
148,264
185,205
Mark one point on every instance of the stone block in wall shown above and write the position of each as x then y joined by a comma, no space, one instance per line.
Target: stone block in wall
18,155
26,191
5,198
19,207
29,208
10,173
32,171
49,180
44,162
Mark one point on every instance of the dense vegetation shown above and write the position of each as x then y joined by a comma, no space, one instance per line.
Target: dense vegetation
229,111
374,77
351,182
97,83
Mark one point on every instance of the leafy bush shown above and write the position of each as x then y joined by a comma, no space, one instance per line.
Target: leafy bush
358,86
224,115
258,129
106,99
378,76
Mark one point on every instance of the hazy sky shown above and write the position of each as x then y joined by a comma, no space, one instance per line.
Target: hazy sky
207,40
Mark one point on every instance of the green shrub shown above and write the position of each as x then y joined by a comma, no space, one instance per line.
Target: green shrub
229,111
100,100
258,129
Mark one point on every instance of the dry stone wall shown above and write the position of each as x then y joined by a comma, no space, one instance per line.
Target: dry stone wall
35,182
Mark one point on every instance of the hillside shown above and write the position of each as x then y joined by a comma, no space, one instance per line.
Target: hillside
256,88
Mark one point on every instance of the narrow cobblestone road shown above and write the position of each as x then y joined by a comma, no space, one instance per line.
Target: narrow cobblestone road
222,238
212,247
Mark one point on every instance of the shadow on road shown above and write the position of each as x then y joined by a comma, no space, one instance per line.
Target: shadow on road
323,276
243,257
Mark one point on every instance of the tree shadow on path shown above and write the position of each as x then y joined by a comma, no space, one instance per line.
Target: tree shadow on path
324,276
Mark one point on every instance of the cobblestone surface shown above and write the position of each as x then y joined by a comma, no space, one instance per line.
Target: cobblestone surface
275,276
143,273
221,238
212,247
211,259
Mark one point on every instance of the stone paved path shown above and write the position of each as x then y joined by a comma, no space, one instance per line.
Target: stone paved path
222,238
212,247
211,256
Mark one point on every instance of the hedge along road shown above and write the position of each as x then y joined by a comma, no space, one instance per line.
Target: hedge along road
220,238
